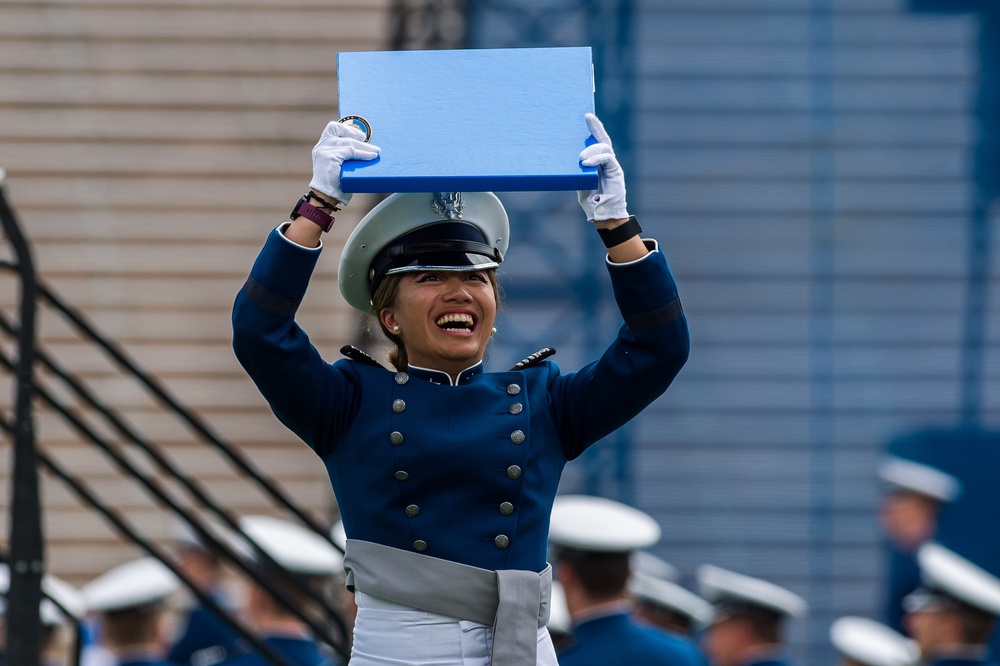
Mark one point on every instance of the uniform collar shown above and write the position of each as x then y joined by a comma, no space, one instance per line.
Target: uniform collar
441,377
765,654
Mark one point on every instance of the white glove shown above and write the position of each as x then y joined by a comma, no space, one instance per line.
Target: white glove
607,202
340,142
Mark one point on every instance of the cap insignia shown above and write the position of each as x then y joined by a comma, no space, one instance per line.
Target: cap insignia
448,205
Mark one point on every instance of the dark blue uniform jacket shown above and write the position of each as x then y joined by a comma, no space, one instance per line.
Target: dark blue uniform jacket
466,473
988,660
619,639
295,651
205,639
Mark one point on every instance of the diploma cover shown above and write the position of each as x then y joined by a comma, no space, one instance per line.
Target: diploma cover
471,120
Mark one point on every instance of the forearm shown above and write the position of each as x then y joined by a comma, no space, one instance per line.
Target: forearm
304,231
630,250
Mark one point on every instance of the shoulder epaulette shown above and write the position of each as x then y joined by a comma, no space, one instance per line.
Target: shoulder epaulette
355,354
535,359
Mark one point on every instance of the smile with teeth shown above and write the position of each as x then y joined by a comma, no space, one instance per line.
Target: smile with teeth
455,322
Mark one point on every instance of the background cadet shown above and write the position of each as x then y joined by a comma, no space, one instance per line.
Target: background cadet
748,620
913,497
592,540
863,642
305,555
953,614
203,638
669,606
130,602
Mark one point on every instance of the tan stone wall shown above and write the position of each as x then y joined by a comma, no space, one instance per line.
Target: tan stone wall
149,149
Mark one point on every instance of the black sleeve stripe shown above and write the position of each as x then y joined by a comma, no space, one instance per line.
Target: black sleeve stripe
664,316
270,301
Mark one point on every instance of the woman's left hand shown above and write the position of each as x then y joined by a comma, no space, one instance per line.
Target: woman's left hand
607,202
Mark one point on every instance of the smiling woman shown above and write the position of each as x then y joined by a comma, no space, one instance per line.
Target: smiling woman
445,474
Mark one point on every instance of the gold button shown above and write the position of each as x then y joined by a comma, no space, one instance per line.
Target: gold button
514,472
412,510
502,541
396,437
402,378
516,408
517,436
513,389
420,545
398,406
506,508
402,476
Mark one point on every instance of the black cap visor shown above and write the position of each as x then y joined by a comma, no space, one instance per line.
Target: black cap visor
447,246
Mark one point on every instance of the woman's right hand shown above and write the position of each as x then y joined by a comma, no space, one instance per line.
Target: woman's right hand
340,142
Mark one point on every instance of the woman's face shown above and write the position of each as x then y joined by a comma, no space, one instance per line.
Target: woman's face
445,318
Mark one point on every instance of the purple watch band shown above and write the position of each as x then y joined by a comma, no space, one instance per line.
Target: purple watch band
305,209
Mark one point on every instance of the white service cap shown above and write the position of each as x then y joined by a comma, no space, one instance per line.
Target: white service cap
918,478
64,594
598,524
61,596
295,548
724,588
338,534
136,583
416,230
871,643
559,618
944,571
671,596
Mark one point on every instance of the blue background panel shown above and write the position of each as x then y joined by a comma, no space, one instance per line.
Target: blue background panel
470,120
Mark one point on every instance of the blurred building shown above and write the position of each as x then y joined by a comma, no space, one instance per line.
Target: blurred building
809,167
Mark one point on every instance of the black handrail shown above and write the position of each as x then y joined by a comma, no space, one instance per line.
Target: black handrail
154,488
122,526
27,550
199,426
165,466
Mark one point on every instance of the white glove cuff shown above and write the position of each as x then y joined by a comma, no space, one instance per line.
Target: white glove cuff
607,208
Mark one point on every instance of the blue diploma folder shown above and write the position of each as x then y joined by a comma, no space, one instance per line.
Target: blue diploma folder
472,120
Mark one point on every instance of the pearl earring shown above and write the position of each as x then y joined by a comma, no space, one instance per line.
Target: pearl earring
494,331
395,329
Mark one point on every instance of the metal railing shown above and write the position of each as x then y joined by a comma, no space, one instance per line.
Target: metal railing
26,539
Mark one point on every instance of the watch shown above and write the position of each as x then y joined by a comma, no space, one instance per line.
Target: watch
305,209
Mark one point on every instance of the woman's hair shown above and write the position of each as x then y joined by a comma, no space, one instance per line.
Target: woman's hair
385,297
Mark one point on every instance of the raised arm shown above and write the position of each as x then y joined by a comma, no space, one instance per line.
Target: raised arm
653,343
272,348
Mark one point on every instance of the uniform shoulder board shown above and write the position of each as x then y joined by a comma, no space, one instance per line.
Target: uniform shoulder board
535,359
355,354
